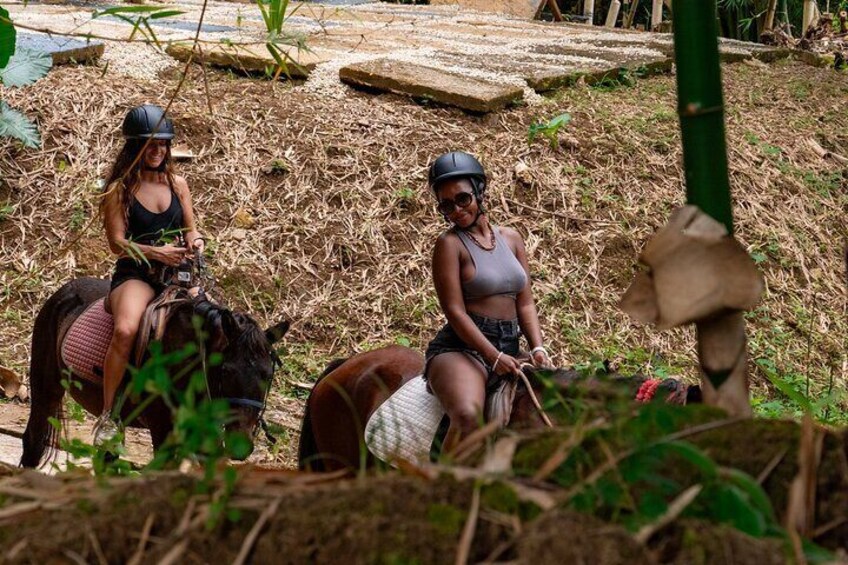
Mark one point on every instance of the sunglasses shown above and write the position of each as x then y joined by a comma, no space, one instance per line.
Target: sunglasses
462,200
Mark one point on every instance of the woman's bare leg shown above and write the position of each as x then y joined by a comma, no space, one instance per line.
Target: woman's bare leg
128,303
459,382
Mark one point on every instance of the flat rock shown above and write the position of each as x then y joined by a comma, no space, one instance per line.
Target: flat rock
526,9
254,59
472,94
63,50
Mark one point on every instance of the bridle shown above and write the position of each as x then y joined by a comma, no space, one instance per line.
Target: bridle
203,306
276,363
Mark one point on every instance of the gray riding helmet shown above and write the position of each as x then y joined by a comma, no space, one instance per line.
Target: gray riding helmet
147,121
458,164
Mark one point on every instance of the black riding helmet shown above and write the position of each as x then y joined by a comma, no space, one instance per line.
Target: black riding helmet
147,121
458,164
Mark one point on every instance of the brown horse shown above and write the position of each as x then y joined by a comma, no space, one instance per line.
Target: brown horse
243,377
349,391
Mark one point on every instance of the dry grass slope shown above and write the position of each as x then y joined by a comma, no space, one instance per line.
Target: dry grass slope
317,209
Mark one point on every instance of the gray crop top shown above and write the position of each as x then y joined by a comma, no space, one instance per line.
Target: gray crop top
497,271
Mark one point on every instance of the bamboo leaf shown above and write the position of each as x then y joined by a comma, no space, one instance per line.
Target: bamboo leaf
7,37
25,67
14,124
165,14
151,32
786,388
118,10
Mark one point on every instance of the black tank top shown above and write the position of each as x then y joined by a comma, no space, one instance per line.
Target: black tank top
150,228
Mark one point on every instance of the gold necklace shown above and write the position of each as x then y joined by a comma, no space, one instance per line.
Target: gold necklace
492,241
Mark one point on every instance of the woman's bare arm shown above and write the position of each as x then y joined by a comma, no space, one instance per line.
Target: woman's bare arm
525,305
191,233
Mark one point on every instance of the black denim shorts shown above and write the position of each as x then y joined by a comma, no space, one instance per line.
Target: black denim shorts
127,268
503,334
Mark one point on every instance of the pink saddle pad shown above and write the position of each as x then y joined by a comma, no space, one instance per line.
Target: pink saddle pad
85,344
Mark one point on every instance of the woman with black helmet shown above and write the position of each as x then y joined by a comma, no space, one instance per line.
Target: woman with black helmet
147,211
483,283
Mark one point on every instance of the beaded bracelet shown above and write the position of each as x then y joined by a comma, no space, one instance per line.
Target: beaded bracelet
539,348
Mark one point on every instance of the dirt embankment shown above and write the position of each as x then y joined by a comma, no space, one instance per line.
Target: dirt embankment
528,511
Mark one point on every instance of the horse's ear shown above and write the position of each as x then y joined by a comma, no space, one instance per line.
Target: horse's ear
276,332
229,326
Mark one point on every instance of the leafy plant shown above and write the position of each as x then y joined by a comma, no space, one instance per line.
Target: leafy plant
178,379
549,129
18,69
25,67
274,14
141,23
7,37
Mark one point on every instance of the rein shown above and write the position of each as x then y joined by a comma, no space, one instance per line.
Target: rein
205,308
533,397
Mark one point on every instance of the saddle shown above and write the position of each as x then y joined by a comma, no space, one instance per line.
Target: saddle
84,345
406,424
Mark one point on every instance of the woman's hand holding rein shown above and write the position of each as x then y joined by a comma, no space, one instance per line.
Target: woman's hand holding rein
504,364
170,255
539,357
195,242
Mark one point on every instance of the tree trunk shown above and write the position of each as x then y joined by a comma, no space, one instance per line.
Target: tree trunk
589,11
656,14
612,15
631,15
769,23
809,14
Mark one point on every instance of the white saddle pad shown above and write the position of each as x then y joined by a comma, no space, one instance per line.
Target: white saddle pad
403,427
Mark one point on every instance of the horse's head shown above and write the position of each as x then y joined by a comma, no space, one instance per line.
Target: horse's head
569,383
248,361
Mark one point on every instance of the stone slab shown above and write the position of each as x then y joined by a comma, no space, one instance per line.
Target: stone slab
525,9
254,59
418,81
63,50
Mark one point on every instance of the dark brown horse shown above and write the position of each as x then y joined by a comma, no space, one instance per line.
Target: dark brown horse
349,391
243,377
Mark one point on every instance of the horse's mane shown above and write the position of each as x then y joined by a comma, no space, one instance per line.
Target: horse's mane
251,337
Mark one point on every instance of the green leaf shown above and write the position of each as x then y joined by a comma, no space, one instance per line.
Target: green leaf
752,490
25,67
238,445
166,14
7,37
126,10
732,507
15,124
695,456
785,387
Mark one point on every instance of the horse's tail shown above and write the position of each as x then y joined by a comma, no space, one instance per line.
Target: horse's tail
307,454
46,392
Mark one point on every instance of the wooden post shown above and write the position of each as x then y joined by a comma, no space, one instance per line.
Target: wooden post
770,11
589,11
612,15
656,14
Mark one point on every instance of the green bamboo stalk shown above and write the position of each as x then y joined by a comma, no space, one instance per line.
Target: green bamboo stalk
701,108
